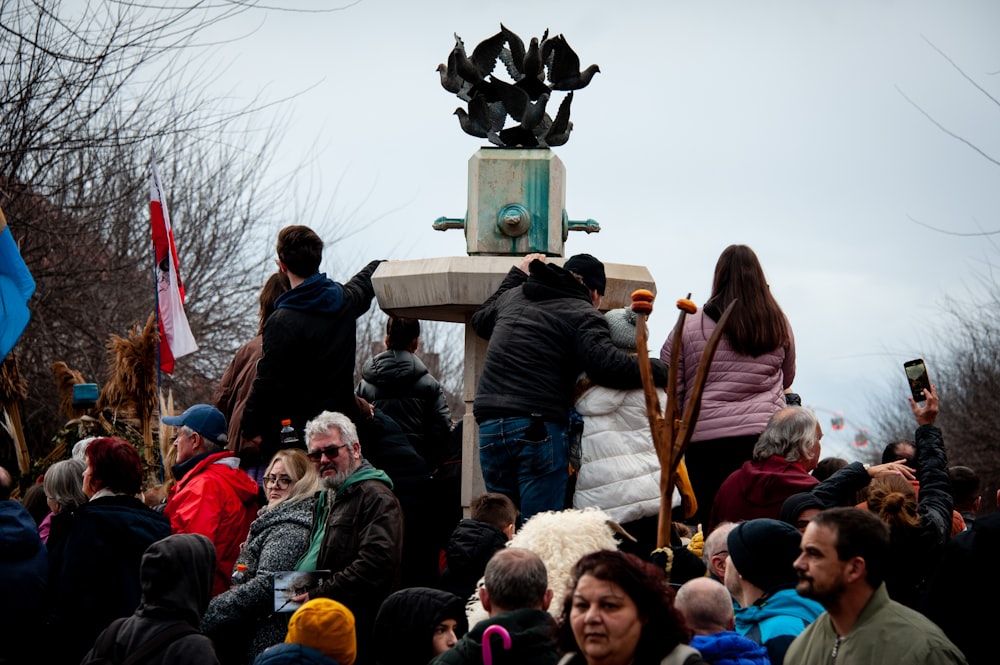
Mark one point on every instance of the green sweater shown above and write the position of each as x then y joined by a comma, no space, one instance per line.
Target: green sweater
886,632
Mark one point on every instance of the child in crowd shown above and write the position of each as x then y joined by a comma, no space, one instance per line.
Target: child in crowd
475,540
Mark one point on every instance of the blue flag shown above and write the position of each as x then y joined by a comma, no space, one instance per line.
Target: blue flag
16,287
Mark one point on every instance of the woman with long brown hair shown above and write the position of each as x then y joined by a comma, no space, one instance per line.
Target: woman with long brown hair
753,367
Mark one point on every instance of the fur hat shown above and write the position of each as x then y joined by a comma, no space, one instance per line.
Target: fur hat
590,269
328,627
763,551
622,325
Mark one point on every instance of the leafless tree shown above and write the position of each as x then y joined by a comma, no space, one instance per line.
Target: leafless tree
87,93
965,366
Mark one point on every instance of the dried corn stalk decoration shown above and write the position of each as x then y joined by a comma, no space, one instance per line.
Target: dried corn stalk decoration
13,389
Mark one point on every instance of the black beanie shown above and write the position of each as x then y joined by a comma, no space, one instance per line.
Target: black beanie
763,551
796,504
590,269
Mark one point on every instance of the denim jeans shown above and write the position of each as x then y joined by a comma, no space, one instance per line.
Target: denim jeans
532,473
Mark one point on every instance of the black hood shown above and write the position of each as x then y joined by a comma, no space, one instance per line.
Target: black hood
176,575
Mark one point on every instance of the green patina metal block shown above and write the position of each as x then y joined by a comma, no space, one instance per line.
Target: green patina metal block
517,201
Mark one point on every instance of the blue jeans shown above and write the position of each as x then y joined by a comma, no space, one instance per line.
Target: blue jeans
532,473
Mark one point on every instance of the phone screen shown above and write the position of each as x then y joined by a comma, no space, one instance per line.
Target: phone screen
916,375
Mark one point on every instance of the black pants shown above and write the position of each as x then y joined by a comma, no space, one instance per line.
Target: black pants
709,463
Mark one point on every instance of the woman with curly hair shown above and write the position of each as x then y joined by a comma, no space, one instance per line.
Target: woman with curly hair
621,612
753,367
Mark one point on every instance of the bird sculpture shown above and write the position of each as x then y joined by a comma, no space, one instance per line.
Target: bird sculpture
537,72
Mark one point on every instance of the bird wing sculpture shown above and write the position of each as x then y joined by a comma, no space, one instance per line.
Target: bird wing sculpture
546,65
565,74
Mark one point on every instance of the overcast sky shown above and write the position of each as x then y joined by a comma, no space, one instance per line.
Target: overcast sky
782,125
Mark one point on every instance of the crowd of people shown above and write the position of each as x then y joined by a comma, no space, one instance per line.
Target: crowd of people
308,520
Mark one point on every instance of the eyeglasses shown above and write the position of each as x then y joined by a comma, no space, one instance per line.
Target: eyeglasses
281,482
331,452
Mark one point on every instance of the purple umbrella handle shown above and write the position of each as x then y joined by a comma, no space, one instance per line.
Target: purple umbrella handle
487,634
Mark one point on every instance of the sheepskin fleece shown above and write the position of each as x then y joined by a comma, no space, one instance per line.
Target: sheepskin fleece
560,539
619,472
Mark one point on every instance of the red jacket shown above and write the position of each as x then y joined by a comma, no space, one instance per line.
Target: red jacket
219,501
758,489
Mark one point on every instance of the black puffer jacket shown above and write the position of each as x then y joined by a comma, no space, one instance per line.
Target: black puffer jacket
308,361
544,332
177,574
398,383
471,546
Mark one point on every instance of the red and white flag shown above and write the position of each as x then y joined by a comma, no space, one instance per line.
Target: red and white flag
176,339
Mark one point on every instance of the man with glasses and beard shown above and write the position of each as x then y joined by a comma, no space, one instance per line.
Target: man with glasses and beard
357,530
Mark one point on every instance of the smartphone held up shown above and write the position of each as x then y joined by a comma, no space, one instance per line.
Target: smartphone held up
916,375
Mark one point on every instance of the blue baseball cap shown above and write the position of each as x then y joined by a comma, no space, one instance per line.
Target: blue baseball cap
203,419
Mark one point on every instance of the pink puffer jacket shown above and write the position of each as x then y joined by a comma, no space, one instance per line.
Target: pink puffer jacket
741,392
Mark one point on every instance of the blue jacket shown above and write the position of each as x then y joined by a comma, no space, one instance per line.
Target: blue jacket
292,654
776,619
24,568
729,648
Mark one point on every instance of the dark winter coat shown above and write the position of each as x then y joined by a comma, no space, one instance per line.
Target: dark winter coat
176,577
277,539
24,569
308,358
399,384
532,641
471,546
962,597
404,627
94,557
235,386
544,332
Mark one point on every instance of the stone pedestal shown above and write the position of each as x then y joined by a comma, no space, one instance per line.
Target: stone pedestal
451,289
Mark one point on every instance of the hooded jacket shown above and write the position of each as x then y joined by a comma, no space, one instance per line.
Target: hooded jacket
176,578
532,641
543,332
740,392
277,539
308,355
214,498
398,383
775,620
757,489
404,627
729,648
94,557
24,569
358,535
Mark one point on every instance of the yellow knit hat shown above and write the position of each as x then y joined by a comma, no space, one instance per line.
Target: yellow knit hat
328,627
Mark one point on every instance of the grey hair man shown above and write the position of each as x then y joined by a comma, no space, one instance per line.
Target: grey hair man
357,527
785,453
516,595
844,558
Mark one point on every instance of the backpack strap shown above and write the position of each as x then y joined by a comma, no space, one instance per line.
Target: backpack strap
161,639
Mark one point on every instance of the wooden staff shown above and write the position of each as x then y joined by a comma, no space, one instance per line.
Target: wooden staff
671,432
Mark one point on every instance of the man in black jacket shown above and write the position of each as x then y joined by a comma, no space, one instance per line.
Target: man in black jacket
309,344
544,329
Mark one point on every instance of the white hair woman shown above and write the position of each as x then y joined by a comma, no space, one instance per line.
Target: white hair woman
278,538
63,487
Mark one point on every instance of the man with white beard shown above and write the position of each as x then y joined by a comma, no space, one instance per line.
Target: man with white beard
357,531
